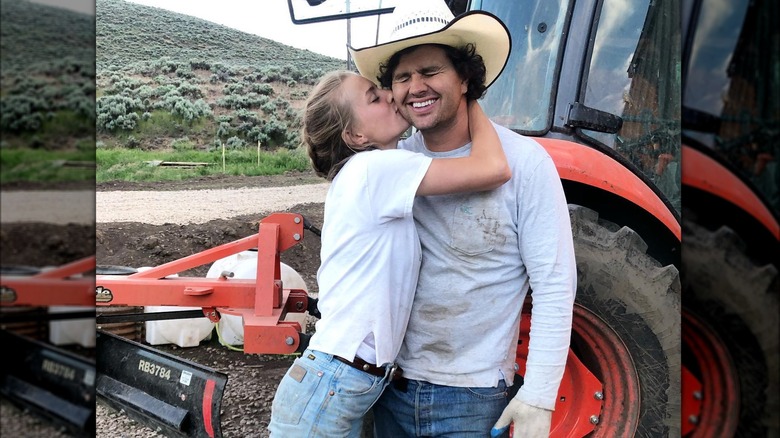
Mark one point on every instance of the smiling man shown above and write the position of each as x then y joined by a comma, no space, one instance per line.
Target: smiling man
481,252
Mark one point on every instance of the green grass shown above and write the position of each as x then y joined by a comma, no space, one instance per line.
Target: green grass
38,165
119,164
61,130
163,123
67,123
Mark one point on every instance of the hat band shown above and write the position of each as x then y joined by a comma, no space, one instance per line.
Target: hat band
420,20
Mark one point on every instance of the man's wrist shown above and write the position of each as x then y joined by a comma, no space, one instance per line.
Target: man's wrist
535,401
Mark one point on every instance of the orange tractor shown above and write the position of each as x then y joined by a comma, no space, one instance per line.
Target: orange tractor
597,84
662,119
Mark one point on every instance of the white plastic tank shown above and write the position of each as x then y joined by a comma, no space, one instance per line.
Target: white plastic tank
244,265
188,332
72,331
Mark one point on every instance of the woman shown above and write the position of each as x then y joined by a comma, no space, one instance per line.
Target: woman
370,255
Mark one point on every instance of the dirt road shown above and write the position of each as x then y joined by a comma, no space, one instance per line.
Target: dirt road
154,207
200,206
49,206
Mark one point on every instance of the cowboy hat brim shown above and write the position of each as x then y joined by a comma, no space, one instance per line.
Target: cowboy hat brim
483,29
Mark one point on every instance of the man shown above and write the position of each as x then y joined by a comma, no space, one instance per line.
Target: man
481,252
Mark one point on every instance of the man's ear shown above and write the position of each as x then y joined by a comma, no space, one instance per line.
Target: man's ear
464,86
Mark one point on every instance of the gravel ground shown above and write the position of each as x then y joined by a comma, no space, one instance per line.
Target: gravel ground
16,423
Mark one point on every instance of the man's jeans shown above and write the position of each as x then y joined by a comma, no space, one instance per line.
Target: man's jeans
428,410
321,396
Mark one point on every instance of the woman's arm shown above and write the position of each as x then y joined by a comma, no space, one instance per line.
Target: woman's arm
485,169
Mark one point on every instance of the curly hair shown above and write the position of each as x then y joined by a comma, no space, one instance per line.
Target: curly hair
326,116
465,59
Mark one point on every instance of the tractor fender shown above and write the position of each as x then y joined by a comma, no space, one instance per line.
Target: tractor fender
705,173
588,166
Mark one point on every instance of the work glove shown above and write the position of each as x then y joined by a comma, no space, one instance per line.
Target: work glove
530,421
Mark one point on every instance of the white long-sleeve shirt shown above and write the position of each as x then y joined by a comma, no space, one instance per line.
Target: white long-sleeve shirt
481,253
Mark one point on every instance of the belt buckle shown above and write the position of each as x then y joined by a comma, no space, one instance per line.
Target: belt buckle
393,369
400,383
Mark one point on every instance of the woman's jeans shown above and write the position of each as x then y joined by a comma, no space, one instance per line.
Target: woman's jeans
321,396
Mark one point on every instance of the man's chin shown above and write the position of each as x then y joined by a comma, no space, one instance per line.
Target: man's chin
420,123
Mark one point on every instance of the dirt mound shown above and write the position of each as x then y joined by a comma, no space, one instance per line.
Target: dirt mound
136,244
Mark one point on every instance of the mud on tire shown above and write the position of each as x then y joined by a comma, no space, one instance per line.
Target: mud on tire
639,300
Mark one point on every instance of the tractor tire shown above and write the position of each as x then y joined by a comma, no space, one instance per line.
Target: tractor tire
735,303
626,328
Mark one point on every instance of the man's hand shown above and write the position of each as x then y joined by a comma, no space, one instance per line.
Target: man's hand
530,421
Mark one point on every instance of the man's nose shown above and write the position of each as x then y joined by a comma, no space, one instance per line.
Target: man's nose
417,84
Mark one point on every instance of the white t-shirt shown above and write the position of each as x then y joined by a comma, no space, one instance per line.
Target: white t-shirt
370,256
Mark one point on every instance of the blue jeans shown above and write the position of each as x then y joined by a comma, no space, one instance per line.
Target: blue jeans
428,410
321,396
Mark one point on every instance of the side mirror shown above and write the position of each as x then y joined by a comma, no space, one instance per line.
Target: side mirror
315,11
581,116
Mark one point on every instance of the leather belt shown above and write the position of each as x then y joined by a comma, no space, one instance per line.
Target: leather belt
372,369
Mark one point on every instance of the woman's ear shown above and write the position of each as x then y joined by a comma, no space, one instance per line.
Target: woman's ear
353,139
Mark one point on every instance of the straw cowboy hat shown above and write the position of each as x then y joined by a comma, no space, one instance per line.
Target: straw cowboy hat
417,22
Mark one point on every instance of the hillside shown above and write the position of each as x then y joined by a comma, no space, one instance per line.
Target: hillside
32,33
170,81
129,33
47,84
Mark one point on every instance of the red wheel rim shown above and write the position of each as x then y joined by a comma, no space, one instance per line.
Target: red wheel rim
599,393
602,350
713,367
